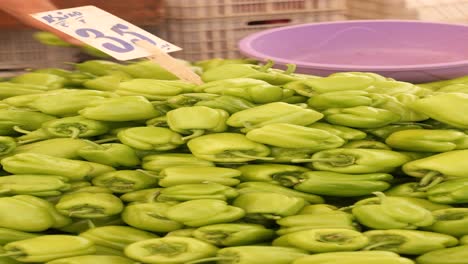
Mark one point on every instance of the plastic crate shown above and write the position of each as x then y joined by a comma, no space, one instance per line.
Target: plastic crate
210,38
19,50
428,10
200,9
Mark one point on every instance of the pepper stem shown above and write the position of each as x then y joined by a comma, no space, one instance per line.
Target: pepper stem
105,140
380,244
21,142
196,133
428,178
209,260
433,183
244,155
90,223
94,144
266,66
291,68
380,195
75,132
20,130
153,196
152,175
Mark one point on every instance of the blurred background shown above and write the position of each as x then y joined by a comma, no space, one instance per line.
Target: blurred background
211,28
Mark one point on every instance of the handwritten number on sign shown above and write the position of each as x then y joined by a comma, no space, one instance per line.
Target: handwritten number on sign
122,30
121,48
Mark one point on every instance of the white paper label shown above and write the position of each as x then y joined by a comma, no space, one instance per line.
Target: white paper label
103,31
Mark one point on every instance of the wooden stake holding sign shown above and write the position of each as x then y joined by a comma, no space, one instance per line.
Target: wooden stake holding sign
169,63
116,37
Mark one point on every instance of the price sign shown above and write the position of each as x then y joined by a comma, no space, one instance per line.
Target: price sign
104,31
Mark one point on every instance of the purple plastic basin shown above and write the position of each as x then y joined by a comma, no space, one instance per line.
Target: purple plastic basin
413,51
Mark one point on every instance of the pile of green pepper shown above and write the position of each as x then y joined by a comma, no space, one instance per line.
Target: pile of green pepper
124,163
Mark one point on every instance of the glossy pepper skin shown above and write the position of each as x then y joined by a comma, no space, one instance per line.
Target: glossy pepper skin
323,240
75,127
36,184
9,90
49,247
408,242
314,86
25,119
391,212
148,70
341,185
227,147
277,112
98,67
271,172
91,259
170,250
252,254
259,72
150,138
425,140
127,108
8,235
174,176
197,120
157,162
449,192
201,212
141,196
357,161
117,237
150,217
69,148
233,234
248,187
187,192
255,91
51,81
453,255
111,154
107,82
230,104
260,206
330,220
447,108
360,117
216,62
34,163
294,136
409,189
89,205
343,132
386,131
366,144
450,221
340,99
123,181
356,257
153,90
189,99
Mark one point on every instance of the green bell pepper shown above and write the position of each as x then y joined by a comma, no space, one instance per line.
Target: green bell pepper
187,192
450,221
150,138
386,131
399,104
366,144
117,237
453,255
260,206
357,161
294,136
173,176
92,259
58,219
216,62
274,173
201,212
227,147
300,222
425,140
153,90
98,67
313,86
37,185
360,117
170,250
74,127
7,145
158,162
126,108
148,70
123,181
343,132
48,247
256,91
323,240
408,242
409,189
150,217
8,235
89,205
449,192
25,119
277,112
141,196
233,234
107,82
357,257
68,148
340,99
10,90
51,81
252,186
190,99
230,104
195,121
111,154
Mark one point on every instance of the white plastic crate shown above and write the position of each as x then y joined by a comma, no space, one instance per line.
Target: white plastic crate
18,50
209,38
428,10
195,9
